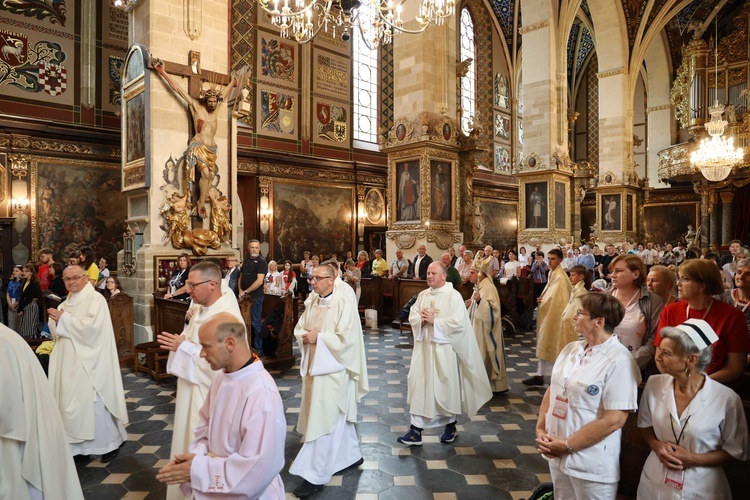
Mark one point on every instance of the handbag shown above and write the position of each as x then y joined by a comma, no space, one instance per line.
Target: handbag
371,317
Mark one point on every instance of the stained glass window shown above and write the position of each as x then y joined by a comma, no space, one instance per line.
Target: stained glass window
468,81
365,87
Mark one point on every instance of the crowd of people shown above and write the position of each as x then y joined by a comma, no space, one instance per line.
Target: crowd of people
680,331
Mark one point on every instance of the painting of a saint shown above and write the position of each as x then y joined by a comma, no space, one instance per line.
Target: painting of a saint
560,205
441,190
408,191
611,212
536,205
135,109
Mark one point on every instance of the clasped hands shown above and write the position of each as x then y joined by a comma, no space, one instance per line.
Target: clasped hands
177,470
428,316
311,337
550,446
673,456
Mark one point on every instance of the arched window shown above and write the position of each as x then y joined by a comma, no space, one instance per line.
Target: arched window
365,85
468,82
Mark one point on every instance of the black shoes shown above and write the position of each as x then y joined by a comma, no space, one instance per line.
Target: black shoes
307,489
108,457
536,380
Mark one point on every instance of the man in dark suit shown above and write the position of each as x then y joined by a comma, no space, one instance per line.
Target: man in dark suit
420,263
232,274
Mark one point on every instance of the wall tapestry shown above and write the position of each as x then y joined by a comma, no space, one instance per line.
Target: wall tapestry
314,217
78,205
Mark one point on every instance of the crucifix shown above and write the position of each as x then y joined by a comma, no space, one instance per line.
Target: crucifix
202,150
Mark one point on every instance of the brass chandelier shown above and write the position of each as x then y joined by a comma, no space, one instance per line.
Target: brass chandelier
377,20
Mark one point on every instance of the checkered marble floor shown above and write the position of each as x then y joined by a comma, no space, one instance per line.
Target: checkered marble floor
493,456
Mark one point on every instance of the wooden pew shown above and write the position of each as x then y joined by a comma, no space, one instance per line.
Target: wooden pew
121,312
284,355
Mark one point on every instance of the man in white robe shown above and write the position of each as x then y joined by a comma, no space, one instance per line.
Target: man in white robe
484,311
35,458
84,370
238,449
446,376
193,374
334,371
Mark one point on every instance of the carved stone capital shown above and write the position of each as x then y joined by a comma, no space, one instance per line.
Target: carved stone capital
533,27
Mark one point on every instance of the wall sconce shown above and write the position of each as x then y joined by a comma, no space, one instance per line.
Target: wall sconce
19,169
265,214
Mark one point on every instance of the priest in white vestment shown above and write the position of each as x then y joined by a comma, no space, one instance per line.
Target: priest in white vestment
485,314
193,374
447,376
551,336
334,379
238,449
35,458
84,370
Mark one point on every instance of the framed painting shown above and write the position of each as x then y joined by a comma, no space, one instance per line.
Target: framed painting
75,201
502,159
315,217
561,205
611,212
441,201
536,205
408,191
667,222
135,121
375,207
500,220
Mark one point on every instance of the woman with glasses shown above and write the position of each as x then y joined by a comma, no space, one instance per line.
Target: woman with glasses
593,388
464,265
177,287
28,304
698,281
692,424
637,329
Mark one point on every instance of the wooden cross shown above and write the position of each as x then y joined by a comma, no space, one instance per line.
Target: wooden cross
192,71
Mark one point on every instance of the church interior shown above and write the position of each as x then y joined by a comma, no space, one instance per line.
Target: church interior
146,129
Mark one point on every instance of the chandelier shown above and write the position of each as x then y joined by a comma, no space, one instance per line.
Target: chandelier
377,20
716,156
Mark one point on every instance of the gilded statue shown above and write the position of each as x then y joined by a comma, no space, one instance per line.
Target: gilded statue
693,237
176,212
220,217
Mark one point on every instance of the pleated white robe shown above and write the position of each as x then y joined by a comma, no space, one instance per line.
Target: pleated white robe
486,321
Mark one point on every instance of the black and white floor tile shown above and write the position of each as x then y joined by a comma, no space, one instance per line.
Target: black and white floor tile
493,457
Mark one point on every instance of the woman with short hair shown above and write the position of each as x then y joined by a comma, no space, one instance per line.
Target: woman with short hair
463,266
178,288
353,276
699,280
662,282
692,424
594,386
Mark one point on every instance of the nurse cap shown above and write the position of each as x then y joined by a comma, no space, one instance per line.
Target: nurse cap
700,332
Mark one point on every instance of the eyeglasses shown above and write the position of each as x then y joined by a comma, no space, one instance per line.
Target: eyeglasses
72,278
192,286
318,278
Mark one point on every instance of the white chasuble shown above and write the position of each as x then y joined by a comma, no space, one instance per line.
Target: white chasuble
34,451
194,375
84,364
328,366
447,375
486,319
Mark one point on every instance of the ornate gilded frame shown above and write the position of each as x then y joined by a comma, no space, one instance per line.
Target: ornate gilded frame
600,207
3,177
550,234
194,259
136,174
696,204
34,169
425,155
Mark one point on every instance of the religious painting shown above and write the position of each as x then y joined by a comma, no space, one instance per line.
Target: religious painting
375,207
135,127
502,159
408,193
629,213
441,201
278,114
536,205
500,220
331,123
611,212
74,203
588,219
502,92
311,217
666,223
561,205
277,59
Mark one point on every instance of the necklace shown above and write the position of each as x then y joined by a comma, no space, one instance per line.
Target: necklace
687,310
737,301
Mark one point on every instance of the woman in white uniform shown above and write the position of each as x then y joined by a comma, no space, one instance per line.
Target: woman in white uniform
593,388
692,423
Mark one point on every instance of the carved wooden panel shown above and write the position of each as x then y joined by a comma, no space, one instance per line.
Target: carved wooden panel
121,312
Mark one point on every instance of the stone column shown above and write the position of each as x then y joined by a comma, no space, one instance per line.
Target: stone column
714,226
726,216
170,30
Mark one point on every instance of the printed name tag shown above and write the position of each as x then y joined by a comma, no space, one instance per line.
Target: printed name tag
675,478
560,410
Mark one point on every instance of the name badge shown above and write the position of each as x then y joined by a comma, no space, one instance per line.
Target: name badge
675,478
560,409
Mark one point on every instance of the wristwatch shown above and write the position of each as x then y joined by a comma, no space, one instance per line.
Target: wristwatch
570,450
